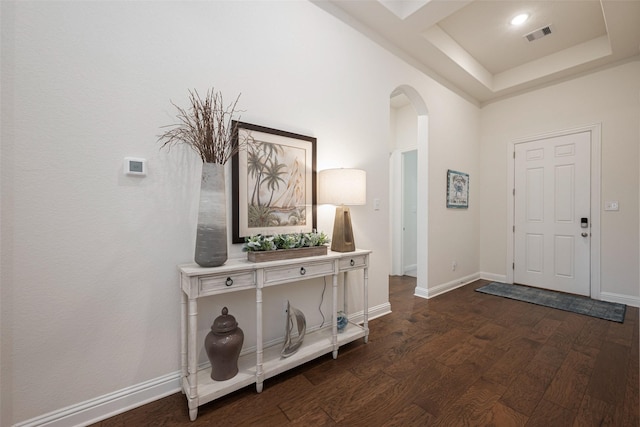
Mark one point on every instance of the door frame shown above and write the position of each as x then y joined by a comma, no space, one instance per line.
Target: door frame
396,210
594,261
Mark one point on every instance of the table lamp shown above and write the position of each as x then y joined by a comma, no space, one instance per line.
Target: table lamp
342,187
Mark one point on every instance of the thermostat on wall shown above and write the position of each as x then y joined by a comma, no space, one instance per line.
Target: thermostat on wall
135,166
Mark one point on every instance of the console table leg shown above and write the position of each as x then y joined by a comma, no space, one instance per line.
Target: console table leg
365,323
334,307
193,414
259,343
192,329
184,354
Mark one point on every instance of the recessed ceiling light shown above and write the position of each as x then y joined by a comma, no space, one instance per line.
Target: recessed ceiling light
520,19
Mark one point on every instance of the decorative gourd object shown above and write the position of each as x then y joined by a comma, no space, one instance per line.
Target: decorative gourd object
223,344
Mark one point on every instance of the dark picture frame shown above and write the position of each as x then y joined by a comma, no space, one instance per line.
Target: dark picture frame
273,182
457,190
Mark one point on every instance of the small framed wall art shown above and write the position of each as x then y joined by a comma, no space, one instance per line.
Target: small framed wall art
457,190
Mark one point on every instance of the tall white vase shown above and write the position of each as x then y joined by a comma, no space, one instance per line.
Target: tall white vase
211,237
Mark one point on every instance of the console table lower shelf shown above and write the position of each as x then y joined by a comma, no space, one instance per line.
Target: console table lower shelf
315,344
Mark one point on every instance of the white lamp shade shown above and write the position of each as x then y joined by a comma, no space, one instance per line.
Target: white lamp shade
342,187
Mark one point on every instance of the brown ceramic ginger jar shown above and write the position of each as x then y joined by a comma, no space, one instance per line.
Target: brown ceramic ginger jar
223,344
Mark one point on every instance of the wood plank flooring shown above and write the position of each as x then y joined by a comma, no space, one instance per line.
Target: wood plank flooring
459,359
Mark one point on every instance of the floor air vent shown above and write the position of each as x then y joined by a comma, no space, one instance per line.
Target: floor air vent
539,33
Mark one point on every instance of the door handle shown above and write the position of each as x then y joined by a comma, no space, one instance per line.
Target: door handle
585,234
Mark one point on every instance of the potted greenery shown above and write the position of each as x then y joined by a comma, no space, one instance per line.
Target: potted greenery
285,246
207,126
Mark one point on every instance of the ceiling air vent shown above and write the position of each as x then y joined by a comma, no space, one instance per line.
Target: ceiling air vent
539,33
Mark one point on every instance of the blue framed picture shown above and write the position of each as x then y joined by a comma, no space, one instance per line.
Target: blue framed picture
457,190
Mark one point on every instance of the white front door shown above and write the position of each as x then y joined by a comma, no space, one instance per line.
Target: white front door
552,213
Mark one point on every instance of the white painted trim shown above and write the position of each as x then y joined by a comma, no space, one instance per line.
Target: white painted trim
630,300
493,277
111,404
596,161
445,287
596,183
103,407
409,270
421,292
423,200
621,299
374,312
511,184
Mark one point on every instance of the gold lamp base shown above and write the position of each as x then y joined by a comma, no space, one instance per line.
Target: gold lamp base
342,240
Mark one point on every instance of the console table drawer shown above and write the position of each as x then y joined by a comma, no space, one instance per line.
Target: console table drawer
290,273
358,261
226,282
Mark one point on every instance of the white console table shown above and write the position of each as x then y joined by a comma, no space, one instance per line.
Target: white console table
238,275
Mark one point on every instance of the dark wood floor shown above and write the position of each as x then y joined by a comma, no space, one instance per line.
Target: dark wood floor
459,359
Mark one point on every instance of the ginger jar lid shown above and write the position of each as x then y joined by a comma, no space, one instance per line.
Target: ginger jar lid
224,323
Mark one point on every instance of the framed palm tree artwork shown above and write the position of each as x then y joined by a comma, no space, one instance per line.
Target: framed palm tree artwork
273,182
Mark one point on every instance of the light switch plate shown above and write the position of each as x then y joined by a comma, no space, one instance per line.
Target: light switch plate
611,206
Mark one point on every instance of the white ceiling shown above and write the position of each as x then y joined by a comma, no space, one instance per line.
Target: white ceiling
470,46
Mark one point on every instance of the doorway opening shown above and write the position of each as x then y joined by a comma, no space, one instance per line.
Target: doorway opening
585,231
408,187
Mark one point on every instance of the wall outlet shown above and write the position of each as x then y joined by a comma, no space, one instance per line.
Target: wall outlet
454,265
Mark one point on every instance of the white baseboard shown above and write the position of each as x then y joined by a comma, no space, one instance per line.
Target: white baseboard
411,270
103,407
632,301
621,299
379,310
374,312
445,287
493,277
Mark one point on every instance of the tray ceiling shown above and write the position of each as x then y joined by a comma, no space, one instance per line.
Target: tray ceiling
471,47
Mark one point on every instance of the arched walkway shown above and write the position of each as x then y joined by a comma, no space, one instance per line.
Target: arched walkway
422,135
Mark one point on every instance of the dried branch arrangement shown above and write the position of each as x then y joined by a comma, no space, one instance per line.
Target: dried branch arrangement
207,127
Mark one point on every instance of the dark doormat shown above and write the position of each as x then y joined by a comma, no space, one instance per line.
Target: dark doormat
567,302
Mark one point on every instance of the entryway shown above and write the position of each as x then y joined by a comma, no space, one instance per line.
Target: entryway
555,225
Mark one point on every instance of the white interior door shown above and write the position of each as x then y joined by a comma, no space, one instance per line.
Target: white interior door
552,213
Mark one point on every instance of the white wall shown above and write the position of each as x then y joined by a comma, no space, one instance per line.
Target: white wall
454,234
609,97
90,299
405,123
